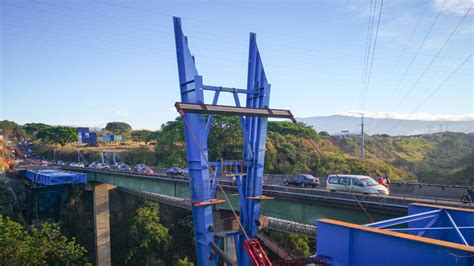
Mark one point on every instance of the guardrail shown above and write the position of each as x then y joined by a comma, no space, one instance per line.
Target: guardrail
395,201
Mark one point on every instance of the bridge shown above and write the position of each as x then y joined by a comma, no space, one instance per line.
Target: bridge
293,209
289,203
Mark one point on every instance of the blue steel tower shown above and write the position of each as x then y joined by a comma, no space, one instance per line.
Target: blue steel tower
197,119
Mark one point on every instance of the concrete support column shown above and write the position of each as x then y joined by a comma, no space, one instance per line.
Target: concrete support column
102,224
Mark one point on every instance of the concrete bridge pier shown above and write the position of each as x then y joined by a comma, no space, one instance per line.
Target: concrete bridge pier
102,223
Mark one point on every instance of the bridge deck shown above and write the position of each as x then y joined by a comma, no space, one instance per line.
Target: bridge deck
294,204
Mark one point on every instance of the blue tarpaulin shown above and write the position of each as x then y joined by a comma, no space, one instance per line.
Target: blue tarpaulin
49,177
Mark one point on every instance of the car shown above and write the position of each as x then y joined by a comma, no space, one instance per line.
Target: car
145,170
80,165
123,167
355,183
60,163
93,165
102,167
175,171
303,180
186,171
139,167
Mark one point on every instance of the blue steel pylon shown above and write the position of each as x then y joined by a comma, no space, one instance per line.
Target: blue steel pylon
196,133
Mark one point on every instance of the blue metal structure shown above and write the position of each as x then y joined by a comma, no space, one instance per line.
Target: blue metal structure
196,131
50,177
433,235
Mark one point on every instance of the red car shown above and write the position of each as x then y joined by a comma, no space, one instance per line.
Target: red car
146,170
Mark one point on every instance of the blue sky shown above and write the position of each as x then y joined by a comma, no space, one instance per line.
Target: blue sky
89,62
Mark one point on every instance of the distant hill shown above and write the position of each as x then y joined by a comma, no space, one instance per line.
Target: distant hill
336,123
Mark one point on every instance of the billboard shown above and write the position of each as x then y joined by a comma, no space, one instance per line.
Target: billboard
107,138
86,137
118,138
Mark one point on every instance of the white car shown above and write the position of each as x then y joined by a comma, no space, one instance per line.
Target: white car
80,165
355,183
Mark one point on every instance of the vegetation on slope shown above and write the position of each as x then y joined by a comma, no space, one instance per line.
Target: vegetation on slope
445,158
40,246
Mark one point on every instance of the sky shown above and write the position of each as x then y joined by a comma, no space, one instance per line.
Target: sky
85,63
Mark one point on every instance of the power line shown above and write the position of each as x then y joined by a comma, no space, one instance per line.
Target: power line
443,83
169,50
405,47
99,14
434,58
85,28
87,37
86,18
244,28
434,91
213,40
419,48
431,62
87,46
368,41
372,59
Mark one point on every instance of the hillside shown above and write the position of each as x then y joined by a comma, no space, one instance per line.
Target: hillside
445,158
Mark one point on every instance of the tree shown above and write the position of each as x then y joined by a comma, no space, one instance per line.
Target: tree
170,150
57,135
150,240
33,128
118,128
141,135
11,129
43,246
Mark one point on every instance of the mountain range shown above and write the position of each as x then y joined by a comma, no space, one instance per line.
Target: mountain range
345,124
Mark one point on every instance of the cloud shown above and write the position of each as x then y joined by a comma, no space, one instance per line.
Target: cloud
458,7
416,116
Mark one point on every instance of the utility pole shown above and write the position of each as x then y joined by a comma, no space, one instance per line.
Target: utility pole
362,138
54,155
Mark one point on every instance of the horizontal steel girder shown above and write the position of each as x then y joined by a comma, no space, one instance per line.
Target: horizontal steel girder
233,110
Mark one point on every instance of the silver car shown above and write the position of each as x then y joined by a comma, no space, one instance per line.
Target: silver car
355,183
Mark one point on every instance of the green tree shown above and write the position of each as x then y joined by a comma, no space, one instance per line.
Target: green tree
150,240
170,149
57,135
141,135
12,129
43,246
119,128
33,128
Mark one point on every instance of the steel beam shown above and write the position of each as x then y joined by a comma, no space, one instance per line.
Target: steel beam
429,229
405,219
456,228
233,110
191,92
